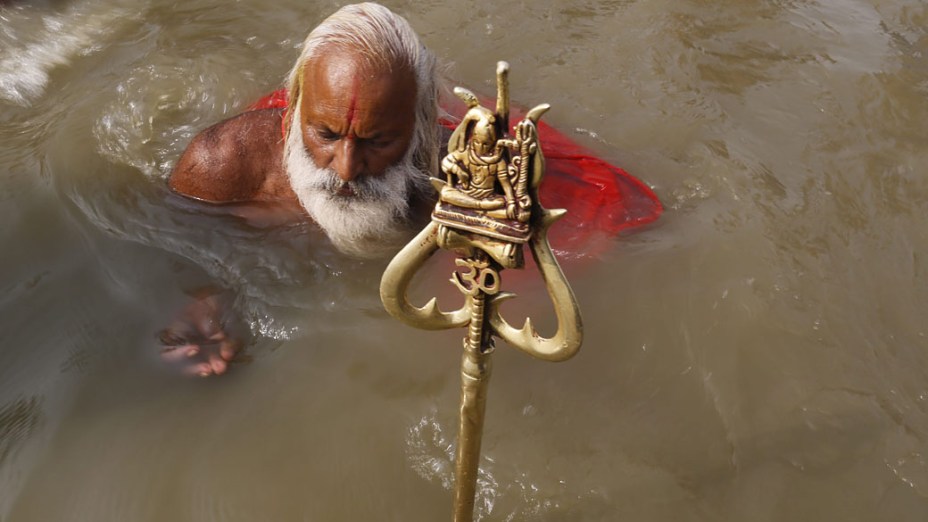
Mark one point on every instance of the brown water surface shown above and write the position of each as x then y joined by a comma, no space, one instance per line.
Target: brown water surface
758,354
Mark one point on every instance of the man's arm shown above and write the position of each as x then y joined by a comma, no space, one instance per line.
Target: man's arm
236,160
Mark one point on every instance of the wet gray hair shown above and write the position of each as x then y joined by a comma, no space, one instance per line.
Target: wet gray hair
385,39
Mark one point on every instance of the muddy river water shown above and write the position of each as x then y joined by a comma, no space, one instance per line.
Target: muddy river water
759,353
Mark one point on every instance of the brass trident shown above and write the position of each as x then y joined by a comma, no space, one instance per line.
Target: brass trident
488,208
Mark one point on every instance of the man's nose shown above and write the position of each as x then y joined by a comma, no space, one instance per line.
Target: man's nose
347,163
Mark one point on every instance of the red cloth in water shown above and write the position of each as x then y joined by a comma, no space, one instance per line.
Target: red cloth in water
601,199
276,100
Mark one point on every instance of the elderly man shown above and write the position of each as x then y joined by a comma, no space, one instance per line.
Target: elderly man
353,151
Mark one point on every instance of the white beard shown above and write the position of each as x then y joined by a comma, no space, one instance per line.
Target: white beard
372,222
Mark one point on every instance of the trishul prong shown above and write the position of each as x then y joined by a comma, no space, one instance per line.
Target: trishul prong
395,284
566,341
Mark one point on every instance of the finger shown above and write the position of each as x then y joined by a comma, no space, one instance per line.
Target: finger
228,349
191,350
199,370
175,353
217,364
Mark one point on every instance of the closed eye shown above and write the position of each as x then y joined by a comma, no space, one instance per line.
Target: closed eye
378,142
327,134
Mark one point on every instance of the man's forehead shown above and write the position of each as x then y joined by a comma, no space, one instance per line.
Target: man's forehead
338,67
338,76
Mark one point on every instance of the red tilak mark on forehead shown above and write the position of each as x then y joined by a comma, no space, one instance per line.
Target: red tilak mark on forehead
351,109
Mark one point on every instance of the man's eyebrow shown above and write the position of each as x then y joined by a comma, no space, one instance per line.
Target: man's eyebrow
325,129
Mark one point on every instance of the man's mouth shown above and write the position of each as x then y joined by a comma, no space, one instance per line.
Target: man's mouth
344,191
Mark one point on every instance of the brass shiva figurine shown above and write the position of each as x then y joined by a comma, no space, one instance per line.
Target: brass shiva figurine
487,211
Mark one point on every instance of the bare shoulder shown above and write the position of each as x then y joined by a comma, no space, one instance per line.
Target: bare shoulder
232,161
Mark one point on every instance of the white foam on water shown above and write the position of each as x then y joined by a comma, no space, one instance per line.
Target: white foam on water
504,491
27,58
431,454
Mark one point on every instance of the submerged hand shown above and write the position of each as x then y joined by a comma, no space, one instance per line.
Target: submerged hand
200,339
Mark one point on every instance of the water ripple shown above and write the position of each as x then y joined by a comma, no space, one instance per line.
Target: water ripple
32,45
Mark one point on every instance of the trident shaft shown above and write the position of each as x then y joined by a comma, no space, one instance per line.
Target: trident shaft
478,283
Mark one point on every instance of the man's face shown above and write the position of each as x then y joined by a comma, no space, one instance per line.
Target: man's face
356,119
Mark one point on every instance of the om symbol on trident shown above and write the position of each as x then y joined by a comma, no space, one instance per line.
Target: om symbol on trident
487,210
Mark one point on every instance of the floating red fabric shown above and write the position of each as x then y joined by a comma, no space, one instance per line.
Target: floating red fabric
275,100
601,199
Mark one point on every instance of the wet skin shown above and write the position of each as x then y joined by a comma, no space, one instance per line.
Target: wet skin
355,118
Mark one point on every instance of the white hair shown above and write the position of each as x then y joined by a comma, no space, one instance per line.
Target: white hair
385,39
